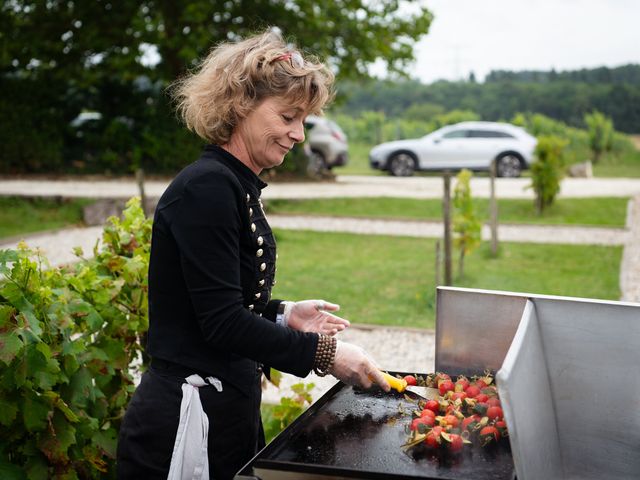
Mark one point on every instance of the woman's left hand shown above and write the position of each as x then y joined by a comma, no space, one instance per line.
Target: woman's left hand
315,316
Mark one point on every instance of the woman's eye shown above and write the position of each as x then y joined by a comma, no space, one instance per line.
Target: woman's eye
287,118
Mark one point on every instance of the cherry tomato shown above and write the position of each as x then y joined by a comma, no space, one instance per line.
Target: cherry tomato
469,421
462,384
480,384
428,420
427,413
472,391
494,413
411,380
456,443
451,420
445,386
458,395
433,437
501,425
481,397
489,434
432,405
494,402
415,422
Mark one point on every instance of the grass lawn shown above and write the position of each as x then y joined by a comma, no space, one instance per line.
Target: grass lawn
25,215
390,280
608,212
624,165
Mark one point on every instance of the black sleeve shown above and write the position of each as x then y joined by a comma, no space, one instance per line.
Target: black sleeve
271,310
207,229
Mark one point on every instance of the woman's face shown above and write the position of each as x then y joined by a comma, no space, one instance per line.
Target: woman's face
266,135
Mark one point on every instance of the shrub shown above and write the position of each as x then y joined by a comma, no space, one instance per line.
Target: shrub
69,344
546,171
600,130
467,228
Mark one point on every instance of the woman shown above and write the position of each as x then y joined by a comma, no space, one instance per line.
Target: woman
213,327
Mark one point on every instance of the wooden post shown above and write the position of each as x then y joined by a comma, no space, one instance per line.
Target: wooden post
143,197
438,262
446,216
493,208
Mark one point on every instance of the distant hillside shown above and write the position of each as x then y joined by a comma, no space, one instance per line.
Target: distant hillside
627,74
565,96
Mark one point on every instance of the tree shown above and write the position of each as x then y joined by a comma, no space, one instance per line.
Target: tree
600,129
467,228
134,50
57,35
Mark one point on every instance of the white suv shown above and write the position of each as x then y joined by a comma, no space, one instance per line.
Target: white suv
472,145
327,141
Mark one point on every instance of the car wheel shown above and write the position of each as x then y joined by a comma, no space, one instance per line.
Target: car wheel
317,164
508,165
402,165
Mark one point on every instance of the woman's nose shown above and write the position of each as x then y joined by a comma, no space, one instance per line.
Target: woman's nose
297,133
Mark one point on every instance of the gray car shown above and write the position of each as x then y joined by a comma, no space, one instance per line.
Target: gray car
327,141
471,145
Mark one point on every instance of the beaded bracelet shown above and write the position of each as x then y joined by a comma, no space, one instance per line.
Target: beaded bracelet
325,355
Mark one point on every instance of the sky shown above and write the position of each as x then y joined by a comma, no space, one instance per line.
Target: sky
483,35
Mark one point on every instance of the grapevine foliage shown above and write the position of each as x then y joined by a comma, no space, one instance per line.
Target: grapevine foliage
70,343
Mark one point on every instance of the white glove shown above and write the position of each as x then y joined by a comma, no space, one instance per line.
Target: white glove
314,316
353,366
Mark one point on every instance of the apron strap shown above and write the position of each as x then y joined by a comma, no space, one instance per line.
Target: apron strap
190,460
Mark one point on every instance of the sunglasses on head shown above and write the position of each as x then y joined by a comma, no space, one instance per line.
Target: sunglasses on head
294,58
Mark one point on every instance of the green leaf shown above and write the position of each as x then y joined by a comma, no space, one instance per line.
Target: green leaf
33,325
35,413
60,404
55,441
9,471
82,309
116,353
44,380
81,388
13,293
106,440
276,377
37,468
44,349
8,412
10,346
6,315
8,256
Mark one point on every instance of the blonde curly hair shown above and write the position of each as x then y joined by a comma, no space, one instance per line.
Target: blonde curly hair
235,77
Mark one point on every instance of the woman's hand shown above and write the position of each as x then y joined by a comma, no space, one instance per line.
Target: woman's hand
353,366
315,316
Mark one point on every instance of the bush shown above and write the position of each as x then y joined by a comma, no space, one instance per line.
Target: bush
546,171
467,228
70,339
600,131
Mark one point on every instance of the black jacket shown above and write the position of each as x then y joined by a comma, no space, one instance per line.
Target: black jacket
211,271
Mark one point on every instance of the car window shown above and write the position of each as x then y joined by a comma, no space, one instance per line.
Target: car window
489,134
455,134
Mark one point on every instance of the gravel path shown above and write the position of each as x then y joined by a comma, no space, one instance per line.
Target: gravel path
408,228
344,186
